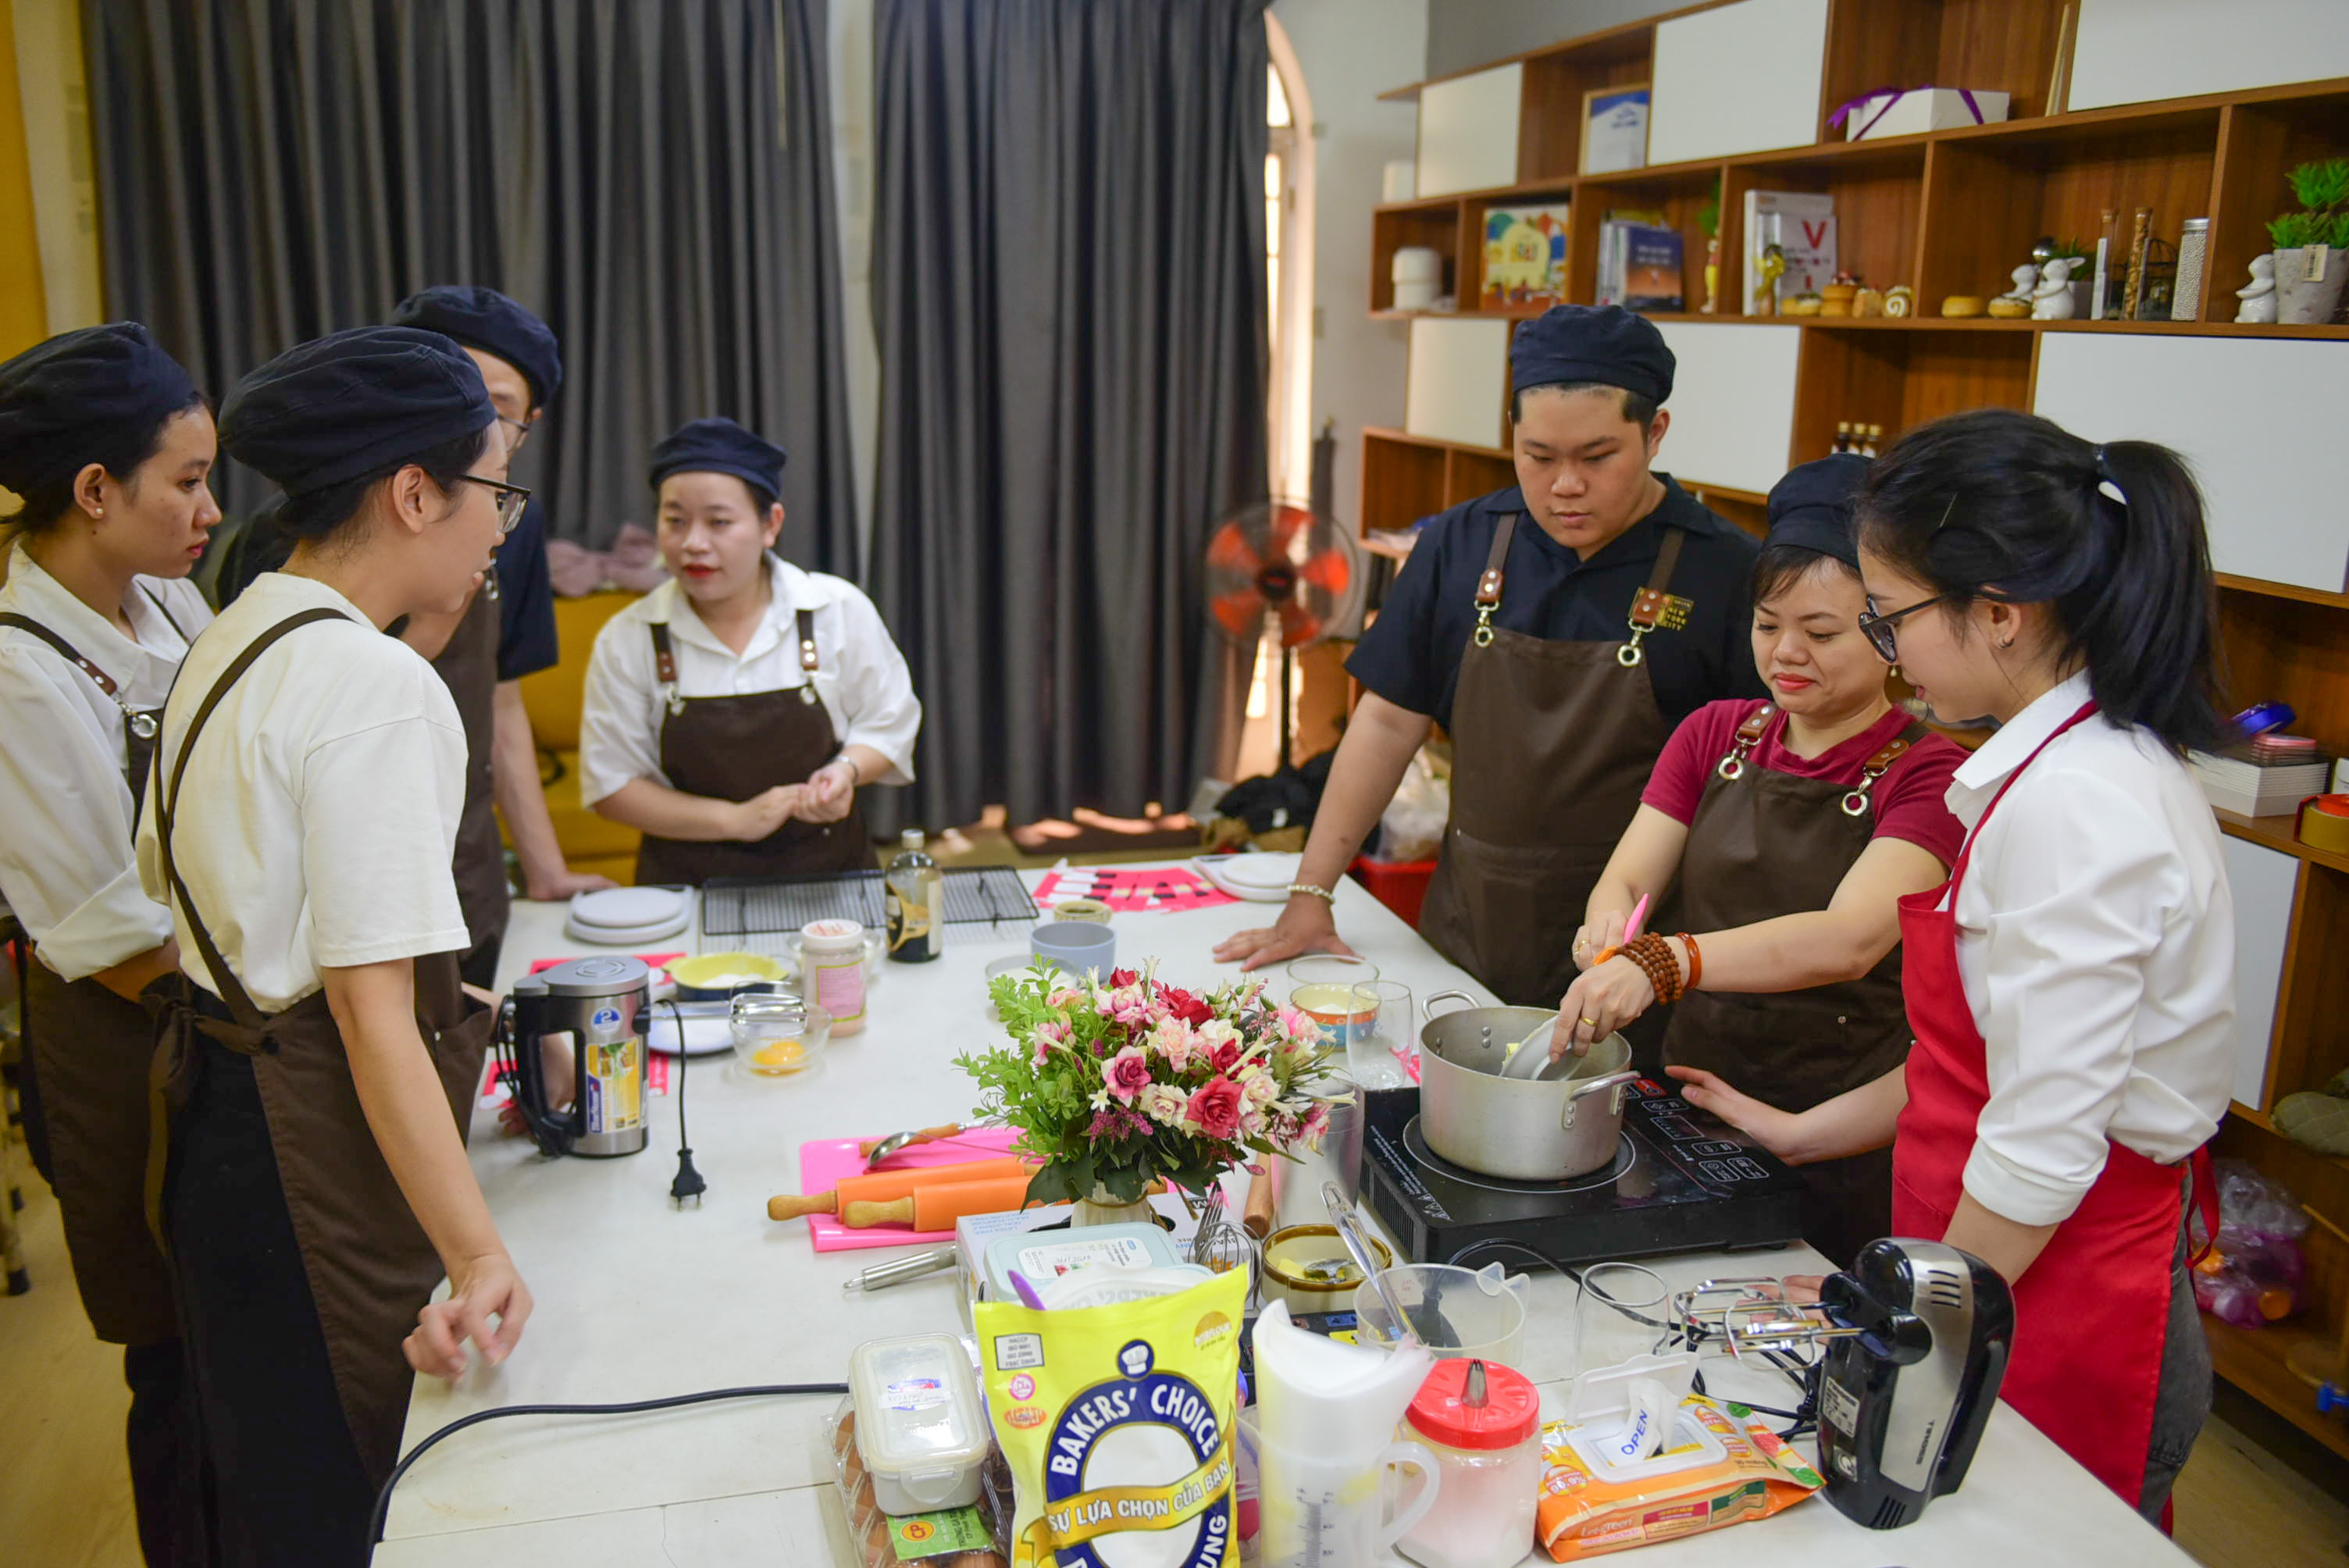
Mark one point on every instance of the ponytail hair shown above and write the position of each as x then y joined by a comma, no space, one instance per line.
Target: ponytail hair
2008,507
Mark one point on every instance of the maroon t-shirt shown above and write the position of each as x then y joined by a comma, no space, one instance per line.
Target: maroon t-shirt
1910,799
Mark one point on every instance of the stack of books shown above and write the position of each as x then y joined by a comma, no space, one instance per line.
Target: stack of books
2268,777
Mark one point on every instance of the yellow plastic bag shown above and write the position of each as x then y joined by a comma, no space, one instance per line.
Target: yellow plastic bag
1118,1420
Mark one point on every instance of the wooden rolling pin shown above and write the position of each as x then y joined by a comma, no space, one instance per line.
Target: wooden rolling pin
885,1185
937,1208
1255,1213
926,1135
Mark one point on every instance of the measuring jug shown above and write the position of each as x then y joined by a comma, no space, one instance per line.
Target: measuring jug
1326,1417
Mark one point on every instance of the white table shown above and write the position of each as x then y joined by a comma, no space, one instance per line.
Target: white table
636,1299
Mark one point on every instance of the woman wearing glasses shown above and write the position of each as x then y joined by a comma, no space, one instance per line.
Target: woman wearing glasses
731,713
1792,826
2072,985
321,1069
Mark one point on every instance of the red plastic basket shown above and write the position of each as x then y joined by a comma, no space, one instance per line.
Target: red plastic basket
1401,885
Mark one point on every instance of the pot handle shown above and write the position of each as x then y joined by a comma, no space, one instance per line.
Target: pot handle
1427,1008
1616,1081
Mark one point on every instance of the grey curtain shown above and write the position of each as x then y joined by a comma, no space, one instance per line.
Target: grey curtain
653,177
1070,304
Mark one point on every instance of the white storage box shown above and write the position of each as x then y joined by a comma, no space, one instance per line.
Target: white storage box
1906,113
921,1424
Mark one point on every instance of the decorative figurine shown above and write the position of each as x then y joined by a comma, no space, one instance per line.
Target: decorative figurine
2259,295
2052,300
2026,279
1712,274
1899,301
1774,267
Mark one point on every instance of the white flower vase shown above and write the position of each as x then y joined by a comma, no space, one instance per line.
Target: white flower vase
1098,1208
2308,283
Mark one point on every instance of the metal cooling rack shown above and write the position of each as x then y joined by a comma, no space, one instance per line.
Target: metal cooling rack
774,906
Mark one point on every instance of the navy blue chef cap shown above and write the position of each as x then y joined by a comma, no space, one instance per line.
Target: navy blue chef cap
55,395
719,446
353,402
1604,343
485,319
1810,509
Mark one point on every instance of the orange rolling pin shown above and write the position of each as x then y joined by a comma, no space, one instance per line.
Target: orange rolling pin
887,1185
937,1208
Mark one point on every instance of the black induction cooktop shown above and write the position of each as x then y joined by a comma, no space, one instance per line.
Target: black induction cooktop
1681,1181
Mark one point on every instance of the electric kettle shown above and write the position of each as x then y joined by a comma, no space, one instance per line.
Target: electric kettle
596,1008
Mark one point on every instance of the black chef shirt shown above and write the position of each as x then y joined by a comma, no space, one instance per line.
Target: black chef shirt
1411,653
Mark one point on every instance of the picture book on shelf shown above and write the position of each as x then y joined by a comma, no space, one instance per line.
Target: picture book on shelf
1651,268
1803,226
1524,255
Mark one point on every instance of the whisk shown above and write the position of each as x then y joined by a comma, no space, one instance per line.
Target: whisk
1218,1244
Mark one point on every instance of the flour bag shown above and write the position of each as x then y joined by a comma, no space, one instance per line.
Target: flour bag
1118,1424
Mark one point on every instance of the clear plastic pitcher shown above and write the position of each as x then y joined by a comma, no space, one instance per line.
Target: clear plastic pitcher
1459,1313
1326,1421
1320,1512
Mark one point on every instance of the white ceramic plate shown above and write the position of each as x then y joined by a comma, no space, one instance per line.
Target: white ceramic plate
703,1036
624,936
1259,878
628,908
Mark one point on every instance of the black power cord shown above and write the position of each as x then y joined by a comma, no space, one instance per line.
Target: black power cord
688,1182
634,1408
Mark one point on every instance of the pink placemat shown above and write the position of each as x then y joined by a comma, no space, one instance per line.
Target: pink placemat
824,1163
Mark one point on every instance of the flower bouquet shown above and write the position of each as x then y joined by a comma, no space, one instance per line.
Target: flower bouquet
1114,1086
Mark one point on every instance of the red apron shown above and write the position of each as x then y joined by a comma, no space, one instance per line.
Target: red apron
2091,1314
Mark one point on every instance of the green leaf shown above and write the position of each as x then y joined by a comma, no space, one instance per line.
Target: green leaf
2320,185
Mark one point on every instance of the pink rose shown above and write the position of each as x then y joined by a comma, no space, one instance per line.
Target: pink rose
1161,1103
1121,978
1126,1074
1215,1106
1174,1040
1251,1123
1063,999
1258,1087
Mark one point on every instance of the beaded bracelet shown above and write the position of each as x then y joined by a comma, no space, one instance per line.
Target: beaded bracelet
1656,961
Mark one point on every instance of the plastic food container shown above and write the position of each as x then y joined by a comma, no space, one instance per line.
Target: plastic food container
921,1426
1482,1421
1041,1257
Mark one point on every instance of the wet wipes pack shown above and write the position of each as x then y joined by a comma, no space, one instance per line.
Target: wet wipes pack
1117,1422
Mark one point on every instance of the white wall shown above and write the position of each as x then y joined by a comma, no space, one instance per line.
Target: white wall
1349,52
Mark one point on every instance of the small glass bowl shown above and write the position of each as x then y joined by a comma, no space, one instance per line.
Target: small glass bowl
777,1035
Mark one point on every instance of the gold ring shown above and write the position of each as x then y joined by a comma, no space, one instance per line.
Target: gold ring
1591,1023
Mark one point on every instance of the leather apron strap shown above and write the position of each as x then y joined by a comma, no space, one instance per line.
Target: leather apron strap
468,666
232,990
1555,741
733,748
139,725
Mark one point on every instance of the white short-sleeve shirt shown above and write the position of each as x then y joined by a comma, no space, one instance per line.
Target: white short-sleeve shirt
65,817
2096,945
861,677
315,823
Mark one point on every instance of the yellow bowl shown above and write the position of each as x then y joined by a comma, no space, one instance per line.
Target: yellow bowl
714,976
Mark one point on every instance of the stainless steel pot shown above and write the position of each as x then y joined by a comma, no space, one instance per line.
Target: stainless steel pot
1536,1131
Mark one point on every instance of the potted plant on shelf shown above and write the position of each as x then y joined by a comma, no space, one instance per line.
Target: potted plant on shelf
1117,1085
2309,266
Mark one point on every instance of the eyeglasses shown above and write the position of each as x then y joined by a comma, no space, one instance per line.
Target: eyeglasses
512,499
520,430
1877,628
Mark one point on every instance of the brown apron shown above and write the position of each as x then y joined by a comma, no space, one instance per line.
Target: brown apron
370,1267
1765,844
1553,740
88,1051
468,665
732,747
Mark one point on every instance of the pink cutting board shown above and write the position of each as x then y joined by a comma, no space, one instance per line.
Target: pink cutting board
824,1163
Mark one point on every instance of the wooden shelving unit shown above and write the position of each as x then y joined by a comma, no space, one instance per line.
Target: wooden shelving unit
1952,212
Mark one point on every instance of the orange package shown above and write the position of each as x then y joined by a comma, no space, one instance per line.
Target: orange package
1721,1466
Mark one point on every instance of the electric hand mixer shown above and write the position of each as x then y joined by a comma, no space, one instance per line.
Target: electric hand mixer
1917,1333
